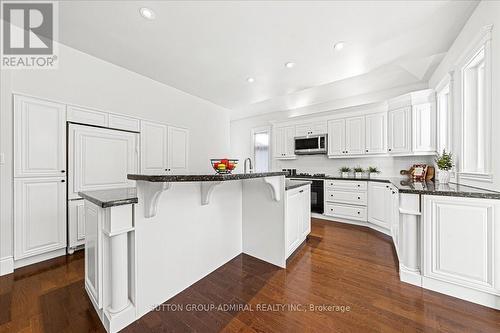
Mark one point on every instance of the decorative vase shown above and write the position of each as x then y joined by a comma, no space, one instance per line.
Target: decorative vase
443,176
358,175
345,174
373,175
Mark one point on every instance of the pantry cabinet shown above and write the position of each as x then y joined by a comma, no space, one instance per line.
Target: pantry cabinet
298,217
376,133
39,138
39,216
399,129
284,142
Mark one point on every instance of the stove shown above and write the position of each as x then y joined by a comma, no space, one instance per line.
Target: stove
319,175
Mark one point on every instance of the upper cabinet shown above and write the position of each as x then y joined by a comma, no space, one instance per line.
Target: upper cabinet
86,116
312,128
424,128
376,133
399,138
164,149
355,135
39,138
336,137
124,123
284,142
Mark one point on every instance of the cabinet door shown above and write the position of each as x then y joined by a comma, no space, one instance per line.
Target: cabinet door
124,123
376,133
153,148
39,138
290,141
76,223
39,216
355,135
399,130
87,116
93,246
305,200
178,147
319,128
379,204
278,142
461,237
304,129
424,128
336,137
100,158
293,221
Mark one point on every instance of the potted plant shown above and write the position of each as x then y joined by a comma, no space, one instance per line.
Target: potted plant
358,172
444,163
373,172
345,172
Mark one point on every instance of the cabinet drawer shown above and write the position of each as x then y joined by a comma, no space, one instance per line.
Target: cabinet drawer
346,211
345,185
349,197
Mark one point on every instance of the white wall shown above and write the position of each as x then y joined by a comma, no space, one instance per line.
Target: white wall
88,81
390,166
487,12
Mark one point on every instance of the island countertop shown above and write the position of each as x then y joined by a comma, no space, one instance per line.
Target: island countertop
111,197
202,177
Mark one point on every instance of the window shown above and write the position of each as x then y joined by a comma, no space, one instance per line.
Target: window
261,148
476,110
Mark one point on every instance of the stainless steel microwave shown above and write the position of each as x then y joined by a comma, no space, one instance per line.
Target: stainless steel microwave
310,145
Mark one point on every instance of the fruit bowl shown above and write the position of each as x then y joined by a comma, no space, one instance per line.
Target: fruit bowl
224,165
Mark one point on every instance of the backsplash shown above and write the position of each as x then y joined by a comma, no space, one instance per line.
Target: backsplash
389,166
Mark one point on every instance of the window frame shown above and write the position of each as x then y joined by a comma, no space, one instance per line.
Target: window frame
258,130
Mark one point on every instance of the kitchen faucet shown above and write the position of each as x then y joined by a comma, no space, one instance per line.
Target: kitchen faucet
250,165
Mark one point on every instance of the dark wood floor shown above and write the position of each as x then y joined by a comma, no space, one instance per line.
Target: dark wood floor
339,265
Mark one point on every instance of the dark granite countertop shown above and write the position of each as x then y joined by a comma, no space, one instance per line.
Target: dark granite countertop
203,178
291,184
424,188
112,197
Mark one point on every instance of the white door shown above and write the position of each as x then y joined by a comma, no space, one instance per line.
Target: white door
336,137
376,133
379,204
355,135
399,130
39,138
39,216
461,237
178,147
153,148
100,158
424,128
290,141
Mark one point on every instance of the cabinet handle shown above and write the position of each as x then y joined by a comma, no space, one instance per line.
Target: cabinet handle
393,192
360,198
387,186
63,181
63,171
390,149
359,213
367,150
303,191
359,185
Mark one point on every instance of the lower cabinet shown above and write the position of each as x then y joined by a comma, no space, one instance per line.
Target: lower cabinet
39,216
346,199
76,224
379,204
461,241
93,248
298,217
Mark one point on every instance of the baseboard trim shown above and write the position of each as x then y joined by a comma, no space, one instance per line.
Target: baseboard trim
6,265
38,258
464,293
408,276
353,222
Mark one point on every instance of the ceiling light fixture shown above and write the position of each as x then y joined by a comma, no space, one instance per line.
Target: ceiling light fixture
250,80
290,64
147,13
339,46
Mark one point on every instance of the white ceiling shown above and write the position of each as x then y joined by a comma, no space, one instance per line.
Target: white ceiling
209,48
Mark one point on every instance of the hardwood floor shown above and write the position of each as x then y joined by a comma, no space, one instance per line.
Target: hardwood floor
339,265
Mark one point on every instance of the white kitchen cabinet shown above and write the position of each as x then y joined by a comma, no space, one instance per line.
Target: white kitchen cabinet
336,137
39,216
312,128
461,237
355,135
178,147
298,217
76,224
284,142
87,116
424,128
39,138
153,148
93,248
124,123
100,158
399,130
376,133
380,204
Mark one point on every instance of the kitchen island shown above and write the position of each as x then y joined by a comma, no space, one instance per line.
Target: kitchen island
145,246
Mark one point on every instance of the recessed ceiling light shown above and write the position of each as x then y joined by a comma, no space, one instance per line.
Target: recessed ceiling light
250,80
290,64
339,46
147,13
